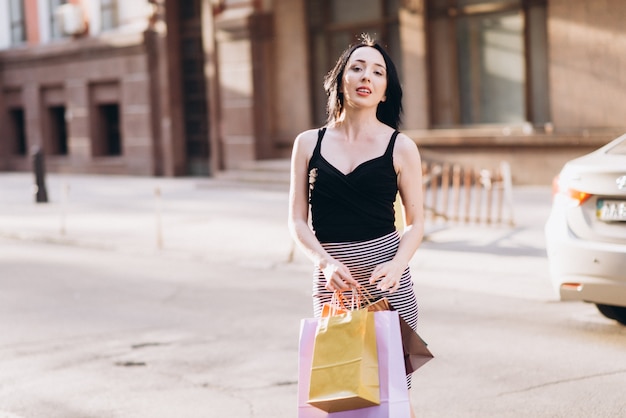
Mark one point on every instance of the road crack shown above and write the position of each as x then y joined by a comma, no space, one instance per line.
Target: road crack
558,382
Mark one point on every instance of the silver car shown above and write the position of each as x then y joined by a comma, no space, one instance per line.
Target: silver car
586,230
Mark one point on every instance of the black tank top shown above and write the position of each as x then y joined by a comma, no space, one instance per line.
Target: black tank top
357,206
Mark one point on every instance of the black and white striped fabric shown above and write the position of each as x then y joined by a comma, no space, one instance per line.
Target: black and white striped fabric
361,258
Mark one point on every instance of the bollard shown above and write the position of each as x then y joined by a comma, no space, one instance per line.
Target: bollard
66,196
159,229
41,195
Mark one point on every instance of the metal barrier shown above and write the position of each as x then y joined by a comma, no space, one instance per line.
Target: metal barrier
458,194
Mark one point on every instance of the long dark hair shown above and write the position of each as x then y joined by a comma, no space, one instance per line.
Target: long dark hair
389,111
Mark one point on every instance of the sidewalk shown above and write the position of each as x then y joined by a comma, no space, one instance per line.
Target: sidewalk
185,217
213,219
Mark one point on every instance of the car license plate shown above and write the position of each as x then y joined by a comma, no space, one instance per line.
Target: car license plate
611,210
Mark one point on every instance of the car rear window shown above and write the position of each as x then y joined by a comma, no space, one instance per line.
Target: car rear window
619,148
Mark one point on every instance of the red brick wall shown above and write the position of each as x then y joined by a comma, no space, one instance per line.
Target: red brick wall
32,24
71,70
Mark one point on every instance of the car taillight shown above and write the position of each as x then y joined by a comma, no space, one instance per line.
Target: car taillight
576,196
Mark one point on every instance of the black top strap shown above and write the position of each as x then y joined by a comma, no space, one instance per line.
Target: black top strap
318,147
391,144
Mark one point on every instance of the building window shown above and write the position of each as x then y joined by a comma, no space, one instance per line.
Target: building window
53,120
487,62
55,30
109,137
17,130
106,120
110,119
108,14
17,22
57,131
333,25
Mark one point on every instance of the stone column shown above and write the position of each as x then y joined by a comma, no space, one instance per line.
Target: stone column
236,87
78,121
415,83
262,33
32,115
212,85
4,129
173,132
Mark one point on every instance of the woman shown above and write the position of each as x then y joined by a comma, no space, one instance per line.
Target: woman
348,174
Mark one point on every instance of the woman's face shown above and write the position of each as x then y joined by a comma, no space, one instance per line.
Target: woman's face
364,81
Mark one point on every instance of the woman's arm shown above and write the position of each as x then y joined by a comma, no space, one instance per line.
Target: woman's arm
408,165
337,275
411,193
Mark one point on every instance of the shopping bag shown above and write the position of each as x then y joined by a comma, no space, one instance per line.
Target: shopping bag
344,368
394,396
416,352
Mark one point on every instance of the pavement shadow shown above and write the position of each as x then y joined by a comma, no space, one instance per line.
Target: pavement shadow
504,244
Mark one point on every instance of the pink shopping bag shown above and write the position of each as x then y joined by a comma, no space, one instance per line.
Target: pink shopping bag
394,395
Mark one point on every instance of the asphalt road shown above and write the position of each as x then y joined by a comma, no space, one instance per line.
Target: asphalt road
101,326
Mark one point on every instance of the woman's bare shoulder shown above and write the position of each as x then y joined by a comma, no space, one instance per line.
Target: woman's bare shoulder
305,141
309,135
405,144
405,153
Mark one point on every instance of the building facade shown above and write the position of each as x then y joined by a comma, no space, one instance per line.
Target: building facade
167,87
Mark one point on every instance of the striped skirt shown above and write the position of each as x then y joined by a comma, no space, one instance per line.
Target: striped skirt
361,258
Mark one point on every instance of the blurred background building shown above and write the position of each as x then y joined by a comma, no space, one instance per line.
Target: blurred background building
195,87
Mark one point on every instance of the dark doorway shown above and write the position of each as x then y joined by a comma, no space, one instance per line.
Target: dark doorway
18,131
194,88
57,140
110,137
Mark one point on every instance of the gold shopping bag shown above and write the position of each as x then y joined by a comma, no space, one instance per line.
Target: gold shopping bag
344,372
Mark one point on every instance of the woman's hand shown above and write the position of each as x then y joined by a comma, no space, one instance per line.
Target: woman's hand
388,275
338,276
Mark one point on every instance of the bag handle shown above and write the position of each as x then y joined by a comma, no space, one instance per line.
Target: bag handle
360,298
